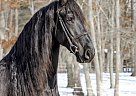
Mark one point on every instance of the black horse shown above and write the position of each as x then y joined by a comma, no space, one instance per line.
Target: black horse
30,68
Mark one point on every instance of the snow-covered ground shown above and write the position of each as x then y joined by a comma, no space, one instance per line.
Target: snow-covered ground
127,85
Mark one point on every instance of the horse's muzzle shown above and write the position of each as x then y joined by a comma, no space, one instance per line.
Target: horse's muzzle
89,55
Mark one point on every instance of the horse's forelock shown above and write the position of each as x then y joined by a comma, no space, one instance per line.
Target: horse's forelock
74,7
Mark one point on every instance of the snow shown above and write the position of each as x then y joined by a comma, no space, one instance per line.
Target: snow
127,85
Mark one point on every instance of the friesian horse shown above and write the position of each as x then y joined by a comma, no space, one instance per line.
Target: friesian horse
30,68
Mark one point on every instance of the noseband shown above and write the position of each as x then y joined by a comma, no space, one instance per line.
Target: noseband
73,48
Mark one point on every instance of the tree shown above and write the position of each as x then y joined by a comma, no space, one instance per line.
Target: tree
85,9
32,9
134,71
133,25
16,22
67,60
97,67
116,90
99,40
88,81
111,45
77,82
1,51
73,71
69,64
3,18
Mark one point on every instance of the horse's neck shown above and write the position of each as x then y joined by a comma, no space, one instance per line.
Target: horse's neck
52,81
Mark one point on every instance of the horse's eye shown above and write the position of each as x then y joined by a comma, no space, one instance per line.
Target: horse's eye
70,17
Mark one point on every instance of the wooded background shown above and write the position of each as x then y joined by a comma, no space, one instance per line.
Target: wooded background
112,26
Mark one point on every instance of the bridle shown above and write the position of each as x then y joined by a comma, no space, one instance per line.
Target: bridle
70,38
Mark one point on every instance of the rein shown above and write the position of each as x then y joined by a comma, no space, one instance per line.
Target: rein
73,48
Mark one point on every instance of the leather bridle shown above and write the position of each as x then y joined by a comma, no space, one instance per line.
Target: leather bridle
70,38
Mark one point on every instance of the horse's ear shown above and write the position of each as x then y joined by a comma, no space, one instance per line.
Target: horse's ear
63,2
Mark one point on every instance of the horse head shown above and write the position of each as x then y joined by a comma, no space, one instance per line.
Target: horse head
72,31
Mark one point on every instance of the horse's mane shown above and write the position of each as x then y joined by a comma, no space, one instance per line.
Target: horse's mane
33,46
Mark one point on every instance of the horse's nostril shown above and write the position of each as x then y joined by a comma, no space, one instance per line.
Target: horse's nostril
87,54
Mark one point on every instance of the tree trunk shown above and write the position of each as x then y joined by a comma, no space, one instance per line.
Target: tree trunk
111,46
32,9
111,63
97,68
108,61
134,71
2,19
11,25
1,52
103,54
133,24
2,29
88,80
100,43
0,5
70,72
103,40
77,88
116,90
2,25
16,22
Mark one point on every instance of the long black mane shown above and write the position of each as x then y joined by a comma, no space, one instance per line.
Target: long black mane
35,41
31,55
